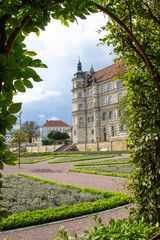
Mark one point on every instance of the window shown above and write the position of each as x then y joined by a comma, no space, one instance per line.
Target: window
91,92
120,96
104,129
111,114
112,131
79,84
120,112
80,95
92,118
88,93
88,106
119,84
104,102
81,120
92,131
74,132
122,128
91,104
80,106
104,116
110,86
103,89
110,100
88,119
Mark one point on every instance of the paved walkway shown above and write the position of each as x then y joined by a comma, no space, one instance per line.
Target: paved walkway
59,173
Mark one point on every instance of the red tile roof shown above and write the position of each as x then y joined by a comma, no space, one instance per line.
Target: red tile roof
108,72
55,123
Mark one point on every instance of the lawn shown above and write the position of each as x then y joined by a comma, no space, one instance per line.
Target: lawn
111,167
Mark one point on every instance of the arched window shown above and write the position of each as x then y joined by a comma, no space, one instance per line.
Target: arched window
119,84
81,120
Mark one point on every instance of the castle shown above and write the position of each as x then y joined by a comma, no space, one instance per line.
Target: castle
95,115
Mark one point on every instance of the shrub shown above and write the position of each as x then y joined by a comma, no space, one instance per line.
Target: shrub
126,229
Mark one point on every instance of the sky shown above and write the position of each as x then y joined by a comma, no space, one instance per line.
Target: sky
60,48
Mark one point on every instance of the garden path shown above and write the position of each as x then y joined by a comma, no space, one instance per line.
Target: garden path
59,173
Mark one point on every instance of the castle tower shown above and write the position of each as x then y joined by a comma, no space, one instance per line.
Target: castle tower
79,105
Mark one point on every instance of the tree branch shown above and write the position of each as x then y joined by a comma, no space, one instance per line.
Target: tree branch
156,77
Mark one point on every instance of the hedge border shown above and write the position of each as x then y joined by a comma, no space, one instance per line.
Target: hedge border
79,159
23,219
114,174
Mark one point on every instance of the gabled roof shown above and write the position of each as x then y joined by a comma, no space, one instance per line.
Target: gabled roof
55,123
108,72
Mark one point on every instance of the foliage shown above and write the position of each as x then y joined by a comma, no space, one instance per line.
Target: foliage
32,129
19,136
17,20
27,218
25,194
133,29
114,174
127,229
79,159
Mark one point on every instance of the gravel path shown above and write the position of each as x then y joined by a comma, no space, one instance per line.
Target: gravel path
59,173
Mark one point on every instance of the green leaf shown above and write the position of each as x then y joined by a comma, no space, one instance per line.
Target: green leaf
27,83
19,86
31,53
15,107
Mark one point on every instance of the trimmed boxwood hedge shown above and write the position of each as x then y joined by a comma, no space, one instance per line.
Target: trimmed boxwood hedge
80,159
114,174
111,200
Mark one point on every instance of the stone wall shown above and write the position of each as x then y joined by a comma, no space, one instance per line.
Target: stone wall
108,146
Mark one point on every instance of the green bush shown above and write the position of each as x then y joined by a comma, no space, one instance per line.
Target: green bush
126,229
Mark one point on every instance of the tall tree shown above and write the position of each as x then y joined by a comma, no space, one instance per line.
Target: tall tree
18,19
32,129
133,29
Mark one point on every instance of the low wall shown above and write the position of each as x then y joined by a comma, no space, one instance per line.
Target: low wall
48,148
108,146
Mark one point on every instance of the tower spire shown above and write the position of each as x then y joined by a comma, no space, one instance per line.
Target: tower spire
79,66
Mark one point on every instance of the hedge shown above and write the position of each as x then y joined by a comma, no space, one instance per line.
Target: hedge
114,174
27,218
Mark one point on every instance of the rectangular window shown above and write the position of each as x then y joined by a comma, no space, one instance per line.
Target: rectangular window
119,84
110,100
105,116
88,93
91,92
104,102
88,119
110,86
80,106
81,120
111,114
80,95
120,96
91,104
92,118
103,89
92,131
88,106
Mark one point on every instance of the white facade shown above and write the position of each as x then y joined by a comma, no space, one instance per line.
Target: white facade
94,105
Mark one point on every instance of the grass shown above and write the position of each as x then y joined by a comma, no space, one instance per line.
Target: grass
75,159
34,159
118,167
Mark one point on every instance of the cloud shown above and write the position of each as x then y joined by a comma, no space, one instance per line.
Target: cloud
38,93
